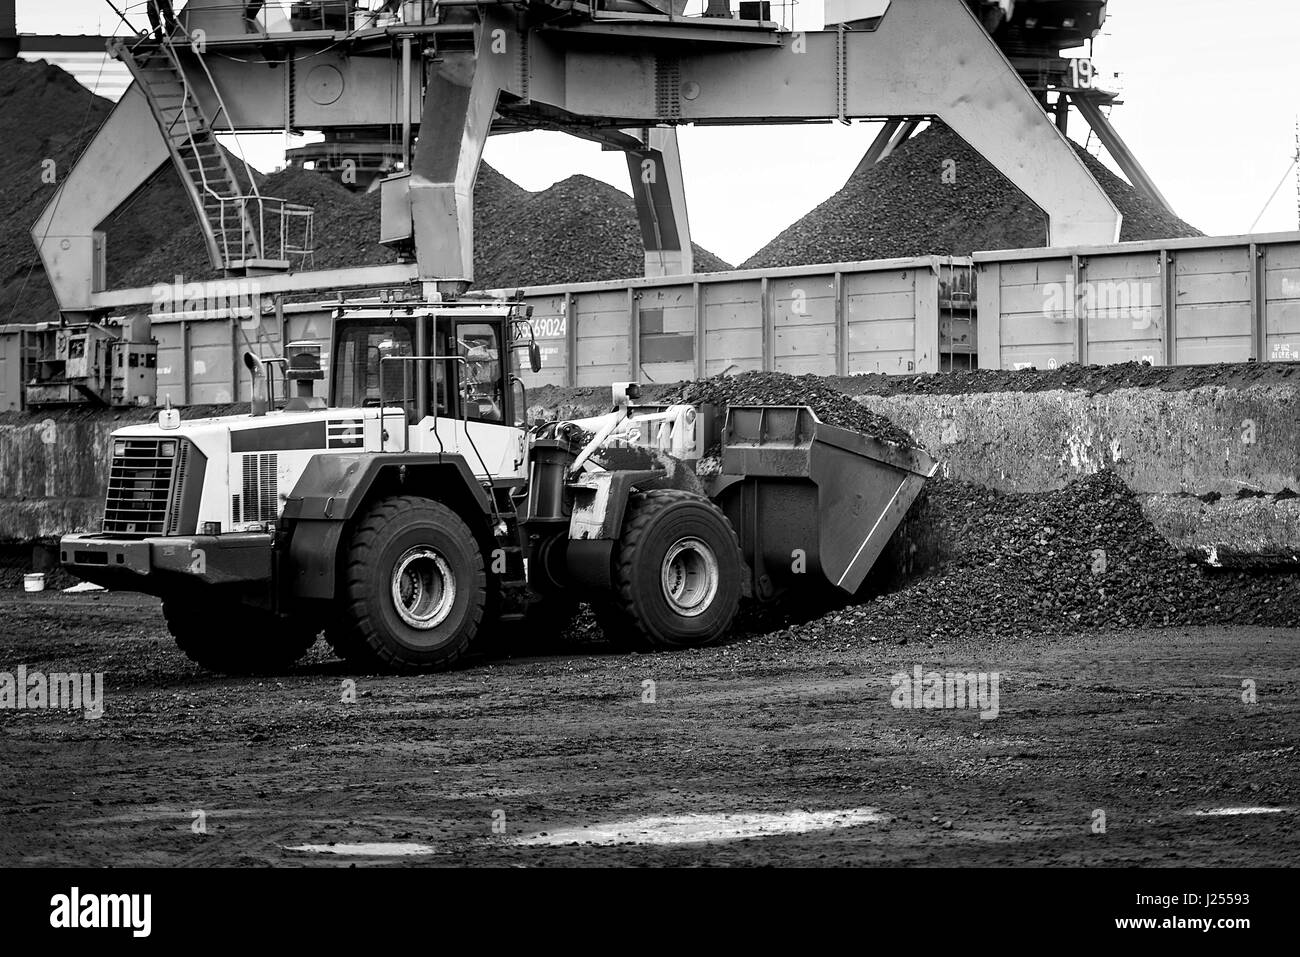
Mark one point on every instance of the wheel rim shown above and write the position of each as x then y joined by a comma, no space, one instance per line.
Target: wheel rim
689,577
424,589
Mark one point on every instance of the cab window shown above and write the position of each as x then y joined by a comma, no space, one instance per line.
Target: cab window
357,364
482,383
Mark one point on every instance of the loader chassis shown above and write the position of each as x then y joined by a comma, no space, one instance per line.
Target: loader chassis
415,512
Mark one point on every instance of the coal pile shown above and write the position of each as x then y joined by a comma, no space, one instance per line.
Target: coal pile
1075,377
901,208
579,230
778,388
1064,562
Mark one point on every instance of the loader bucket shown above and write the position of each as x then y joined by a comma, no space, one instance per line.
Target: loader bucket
807,498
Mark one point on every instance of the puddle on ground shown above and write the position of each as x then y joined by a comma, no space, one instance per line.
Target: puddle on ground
1233,811
365,850
703,828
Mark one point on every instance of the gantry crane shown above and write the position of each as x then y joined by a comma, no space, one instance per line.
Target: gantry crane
447,73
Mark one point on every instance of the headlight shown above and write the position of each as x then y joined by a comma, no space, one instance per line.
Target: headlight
119,448
167,450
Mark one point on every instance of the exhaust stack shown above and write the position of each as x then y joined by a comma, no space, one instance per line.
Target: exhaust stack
257,368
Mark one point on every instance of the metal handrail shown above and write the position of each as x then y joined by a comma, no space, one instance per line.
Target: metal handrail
247,222
212,121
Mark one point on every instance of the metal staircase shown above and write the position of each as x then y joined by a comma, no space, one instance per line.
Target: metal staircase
246,233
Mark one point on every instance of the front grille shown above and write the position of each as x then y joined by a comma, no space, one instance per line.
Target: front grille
141,487
260,501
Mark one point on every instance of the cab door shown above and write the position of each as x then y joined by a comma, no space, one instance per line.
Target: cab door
471,400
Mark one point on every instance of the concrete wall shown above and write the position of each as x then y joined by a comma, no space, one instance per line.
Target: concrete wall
53,469
1196,441
52,478
1169,447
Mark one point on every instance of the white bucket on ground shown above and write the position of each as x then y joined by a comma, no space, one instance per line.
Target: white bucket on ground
34,582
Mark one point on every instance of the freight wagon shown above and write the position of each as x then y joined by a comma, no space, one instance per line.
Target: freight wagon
1172,302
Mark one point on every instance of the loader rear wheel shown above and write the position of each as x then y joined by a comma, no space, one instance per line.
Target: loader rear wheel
415,585
234,639
677,572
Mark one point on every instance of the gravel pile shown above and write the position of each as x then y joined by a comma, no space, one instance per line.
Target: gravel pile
1081,558
902,208
777,388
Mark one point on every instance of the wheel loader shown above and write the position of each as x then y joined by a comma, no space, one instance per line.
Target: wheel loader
416,511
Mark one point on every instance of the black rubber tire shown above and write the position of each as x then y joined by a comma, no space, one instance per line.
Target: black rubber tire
234,639
640,612
384,535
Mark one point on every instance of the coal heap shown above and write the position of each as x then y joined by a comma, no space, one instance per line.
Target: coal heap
1078,559
1073,376
778,388
577,230
901,208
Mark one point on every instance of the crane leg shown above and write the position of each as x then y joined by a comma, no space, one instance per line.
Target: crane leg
660,194
459,102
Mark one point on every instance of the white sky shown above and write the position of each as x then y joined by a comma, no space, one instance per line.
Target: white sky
1211,106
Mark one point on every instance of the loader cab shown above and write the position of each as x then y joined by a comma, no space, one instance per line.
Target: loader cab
472,372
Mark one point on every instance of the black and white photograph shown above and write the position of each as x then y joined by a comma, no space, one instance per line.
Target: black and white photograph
594,435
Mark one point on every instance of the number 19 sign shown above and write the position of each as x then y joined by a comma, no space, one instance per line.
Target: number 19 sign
1082,73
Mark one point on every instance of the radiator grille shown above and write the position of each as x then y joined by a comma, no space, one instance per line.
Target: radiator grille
261,493
142,487
178,498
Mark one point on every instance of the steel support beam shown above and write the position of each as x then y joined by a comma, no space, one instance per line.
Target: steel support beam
892,135
8,30
660,194
460,100
1118,149
51,43
128,149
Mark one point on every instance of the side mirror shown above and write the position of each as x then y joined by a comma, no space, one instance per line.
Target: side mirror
519,402
535,357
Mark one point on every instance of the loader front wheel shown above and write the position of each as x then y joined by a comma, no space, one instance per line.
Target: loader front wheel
677,572
415,586
234,639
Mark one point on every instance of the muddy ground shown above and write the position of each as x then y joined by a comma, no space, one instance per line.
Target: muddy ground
490,764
